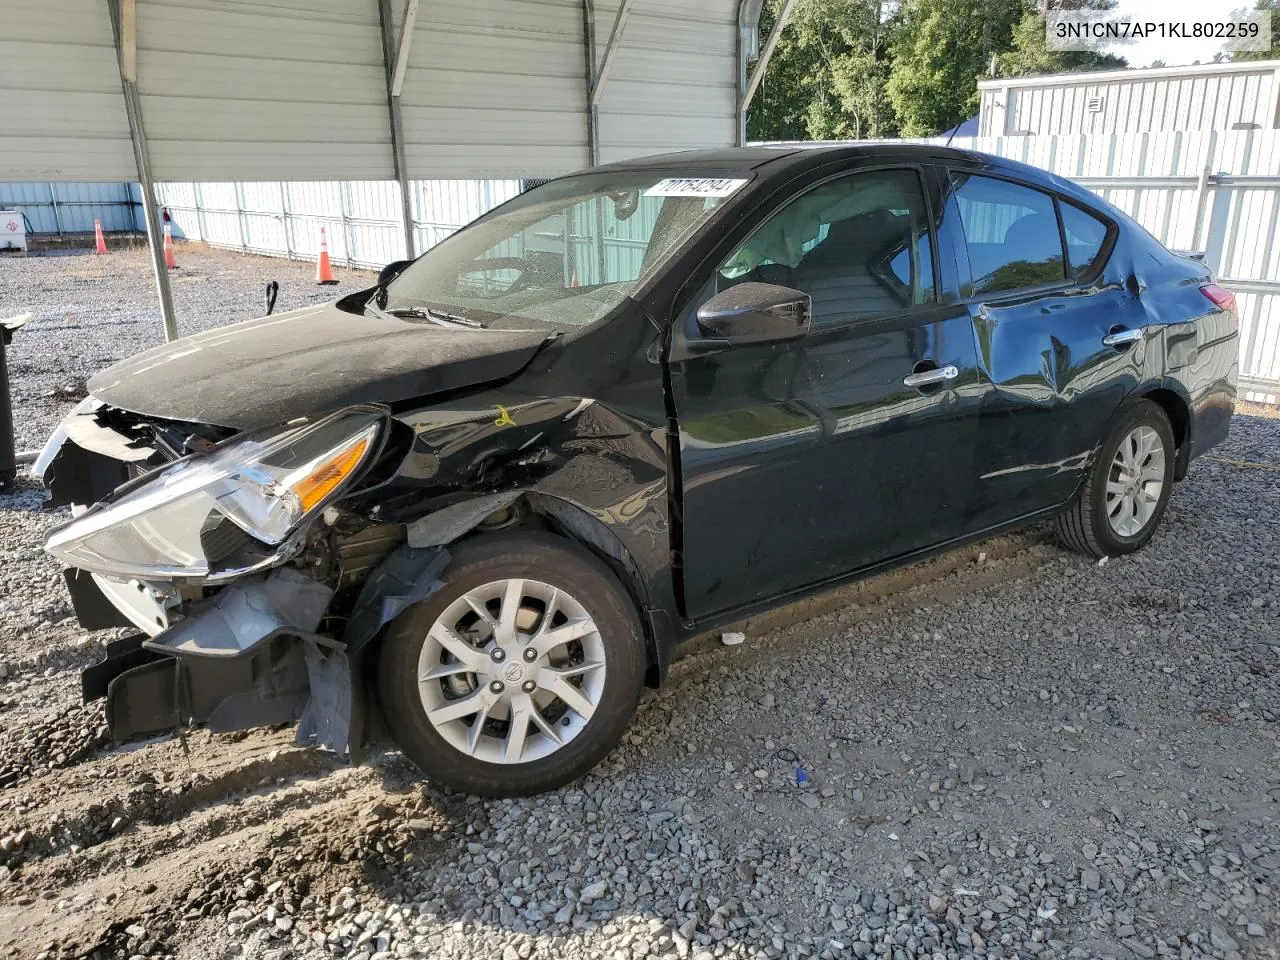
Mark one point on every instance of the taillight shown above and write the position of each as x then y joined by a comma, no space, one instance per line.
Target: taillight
1224,298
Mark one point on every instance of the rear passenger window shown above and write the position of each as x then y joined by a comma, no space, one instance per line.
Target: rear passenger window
1085,237
1011,232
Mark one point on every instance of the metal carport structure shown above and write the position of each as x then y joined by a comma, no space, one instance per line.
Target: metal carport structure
163,90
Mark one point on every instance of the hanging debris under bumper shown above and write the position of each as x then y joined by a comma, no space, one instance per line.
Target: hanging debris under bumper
252,657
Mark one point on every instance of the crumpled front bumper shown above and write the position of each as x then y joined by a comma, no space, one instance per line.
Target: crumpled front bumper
255,651
252,656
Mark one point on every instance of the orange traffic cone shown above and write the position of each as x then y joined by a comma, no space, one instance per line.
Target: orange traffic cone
100,240
169,260
324,270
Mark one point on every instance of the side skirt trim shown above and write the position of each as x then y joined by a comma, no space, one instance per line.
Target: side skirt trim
723,617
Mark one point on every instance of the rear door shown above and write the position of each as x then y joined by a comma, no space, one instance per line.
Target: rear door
1059,344
803,461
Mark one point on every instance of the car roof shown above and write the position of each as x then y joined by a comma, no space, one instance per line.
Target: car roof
765,154
727,158
774,159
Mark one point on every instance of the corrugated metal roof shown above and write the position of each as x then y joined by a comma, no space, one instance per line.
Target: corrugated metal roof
297,89
61,113
224,81
674,80
500,82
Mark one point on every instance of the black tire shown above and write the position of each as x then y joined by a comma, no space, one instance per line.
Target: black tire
539,556
1084,526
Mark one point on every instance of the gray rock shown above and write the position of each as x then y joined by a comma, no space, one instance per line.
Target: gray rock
1220,939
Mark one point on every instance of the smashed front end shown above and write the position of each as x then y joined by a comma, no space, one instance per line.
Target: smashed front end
253,587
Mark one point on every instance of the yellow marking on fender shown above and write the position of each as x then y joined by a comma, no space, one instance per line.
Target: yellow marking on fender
504,418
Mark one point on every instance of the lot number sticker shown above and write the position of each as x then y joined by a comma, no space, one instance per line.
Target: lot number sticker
694,187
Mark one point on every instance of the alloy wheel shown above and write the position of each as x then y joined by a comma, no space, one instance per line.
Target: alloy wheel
511,671
1135,481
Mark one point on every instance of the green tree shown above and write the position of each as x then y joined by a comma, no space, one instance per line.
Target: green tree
828,75
1274,52
863,69
1030,55
940,51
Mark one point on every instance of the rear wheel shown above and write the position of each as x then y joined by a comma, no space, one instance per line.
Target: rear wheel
1127,491
520,674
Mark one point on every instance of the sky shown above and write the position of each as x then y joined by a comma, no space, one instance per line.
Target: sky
1176,52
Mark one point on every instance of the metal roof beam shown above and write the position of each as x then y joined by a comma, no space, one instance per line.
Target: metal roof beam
395,80
406,42
129,40
753,83
610,50
589,52
749,13
748,48
124,29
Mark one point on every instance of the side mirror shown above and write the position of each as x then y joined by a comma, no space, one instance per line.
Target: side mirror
391,271
755,313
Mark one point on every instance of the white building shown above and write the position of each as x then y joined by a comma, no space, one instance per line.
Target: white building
1215,96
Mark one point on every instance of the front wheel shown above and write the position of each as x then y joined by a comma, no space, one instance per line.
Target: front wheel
520,673
1127,491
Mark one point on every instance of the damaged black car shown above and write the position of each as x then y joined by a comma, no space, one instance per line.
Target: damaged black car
478,505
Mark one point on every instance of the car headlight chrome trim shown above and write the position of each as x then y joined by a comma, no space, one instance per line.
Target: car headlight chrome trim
267,486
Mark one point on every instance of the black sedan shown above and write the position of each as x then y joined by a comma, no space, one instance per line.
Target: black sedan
483,501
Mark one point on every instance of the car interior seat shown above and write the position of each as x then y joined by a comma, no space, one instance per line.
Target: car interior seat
848,273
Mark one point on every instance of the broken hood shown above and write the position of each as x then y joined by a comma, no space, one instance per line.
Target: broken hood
266,371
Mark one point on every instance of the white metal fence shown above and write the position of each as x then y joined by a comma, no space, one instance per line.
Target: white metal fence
55,209
361,217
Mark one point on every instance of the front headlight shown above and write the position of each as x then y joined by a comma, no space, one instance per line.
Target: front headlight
266,487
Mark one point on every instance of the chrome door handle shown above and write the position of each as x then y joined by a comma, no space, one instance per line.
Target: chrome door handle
929,377
1122,338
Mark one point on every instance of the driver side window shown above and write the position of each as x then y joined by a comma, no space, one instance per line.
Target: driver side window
859,246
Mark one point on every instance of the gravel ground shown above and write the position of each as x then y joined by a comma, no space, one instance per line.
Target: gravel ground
91,311
1034,756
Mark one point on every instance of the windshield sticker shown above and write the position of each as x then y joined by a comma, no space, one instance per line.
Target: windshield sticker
694,187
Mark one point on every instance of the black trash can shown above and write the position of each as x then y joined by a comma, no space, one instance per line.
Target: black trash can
8,455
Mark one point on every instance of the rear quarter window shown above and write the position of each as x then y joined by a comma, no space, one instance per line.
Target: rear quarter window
1086,235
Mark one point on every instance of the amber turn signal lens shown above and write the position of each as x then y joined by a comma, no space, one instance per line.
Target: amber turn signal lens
324,479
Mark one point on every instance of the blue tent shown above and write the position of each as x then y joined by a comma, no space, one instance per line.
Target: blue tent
965,128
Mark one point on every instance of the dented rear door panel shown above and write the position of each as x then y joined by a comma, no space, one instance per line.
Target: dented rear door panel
1053,388
1051,384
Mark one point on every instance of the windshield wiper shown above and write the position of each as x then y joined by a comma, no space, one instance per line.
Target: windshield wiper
441,317
438,317
372,306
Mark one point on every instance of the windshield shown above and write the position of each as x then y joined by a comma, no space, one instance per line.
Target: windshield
565,254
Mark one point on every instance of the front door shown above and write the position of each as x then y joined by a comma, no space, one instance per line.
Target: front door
804,461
